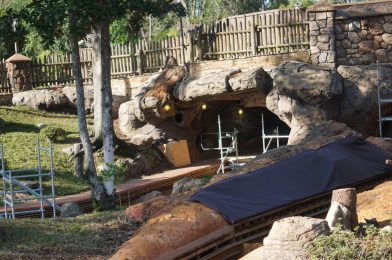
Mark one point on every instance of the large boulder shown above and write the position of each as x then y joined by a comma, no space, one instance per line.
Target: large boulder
358,108
70,209
304,95
222,84
44,99
70,93
289,238
150,243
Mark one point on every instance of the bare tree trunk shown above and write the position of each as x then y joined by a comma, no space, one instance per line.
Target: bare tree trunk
97,80
102,199
107,99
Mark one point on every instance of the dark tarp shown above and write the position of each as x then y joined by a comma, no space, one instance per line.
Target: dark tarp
339,164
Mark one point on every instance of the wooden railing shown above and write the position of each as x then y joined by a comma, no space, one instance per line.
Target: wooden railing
248,35
4,84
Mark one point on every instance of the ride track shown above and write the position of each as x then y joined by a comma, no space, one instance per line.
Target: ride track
226,242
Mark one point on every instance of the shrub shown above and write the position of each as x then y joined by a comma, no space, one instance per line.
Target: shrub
345,245
115,170
53,133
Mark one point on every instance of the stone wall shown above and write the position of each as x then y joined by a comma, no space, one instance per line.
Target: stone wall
364,40
322,38
352,34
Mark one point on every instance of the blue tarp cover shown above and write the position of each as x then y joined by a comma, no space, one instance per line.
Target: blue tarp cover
339,164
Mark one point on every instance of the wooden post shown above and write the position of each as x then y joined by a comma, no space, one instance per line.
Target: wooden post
200,44
79,160
139,60
190,46
253,36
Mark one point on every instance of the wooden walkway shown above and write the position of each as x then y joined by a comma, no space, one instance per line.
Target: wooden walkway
126,193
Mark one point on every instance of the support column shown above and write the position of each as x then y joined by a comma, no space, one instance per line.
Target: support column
19,73
322,35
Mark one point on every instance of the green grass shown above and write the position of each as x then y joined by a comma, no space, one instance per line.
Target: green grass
92,236
19,136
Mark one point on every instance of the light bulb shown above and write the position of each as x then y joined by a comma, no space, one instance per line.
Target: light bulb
167,107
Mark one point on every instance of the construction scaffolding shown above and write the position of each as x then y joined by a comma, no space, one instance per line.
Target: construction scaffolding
383,87
269,138
16,185
224,150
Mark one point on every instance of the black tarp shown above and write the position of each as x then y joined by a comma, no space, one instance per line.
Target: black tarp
339,164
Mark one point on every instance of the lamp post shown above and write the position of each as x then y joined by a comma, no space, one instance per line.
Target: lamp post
14,26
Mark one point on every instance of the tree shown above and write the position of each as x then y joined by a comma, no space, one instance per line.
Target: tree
48,17
134,12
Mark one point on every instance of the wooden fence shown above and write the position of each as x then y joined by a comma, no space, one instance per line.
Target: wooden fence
131,59
4,84
262,33
248,35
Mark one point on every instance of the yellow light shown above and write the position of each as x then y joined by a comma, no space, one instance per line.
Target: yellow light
167,107
204,106
240,111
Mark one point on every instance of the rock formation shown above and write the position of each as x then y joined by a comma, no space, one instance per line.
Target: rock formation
305,95
289,238
180,229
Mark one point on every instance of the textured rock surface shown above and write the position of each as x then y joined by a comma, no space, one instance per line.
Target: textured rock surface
289,238
70,93
149,196
363,42
348,198
339,214
221,84
143,141
45,99
358,108
150,243
144,211
305,95
70,209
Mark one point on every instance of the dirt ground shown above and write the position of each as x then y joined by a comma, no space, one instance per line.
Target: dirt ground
376,203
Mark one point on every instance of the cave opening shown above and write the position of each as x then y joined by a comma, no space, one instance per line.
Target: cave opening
247,120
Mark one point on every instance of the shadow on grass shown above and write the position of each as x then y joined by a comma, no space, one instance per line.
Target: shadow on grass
19,127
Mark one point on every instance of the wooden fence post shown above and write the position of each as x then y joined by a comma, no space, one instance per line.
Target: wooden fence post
139,61
253,36
200,42
190,45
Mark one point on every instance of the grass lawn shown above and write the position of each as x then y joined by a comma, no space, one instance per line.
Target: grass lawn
92,236
19,135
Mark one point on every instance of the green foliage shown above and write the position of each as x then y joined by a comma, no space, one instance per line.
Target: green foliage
53,133
345,245
19,138
118,171
207,178
301,3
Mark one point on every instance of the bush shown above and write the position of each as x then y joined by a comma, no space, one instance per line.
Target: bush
53,133
345,245
115,170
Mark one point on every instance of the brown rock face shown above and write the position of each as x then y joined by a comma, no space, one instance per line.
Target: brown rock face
167,232
144,211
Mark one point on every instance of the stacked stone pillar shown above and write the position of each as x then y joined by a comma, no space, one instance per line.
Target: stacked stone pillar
322,36
19,72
